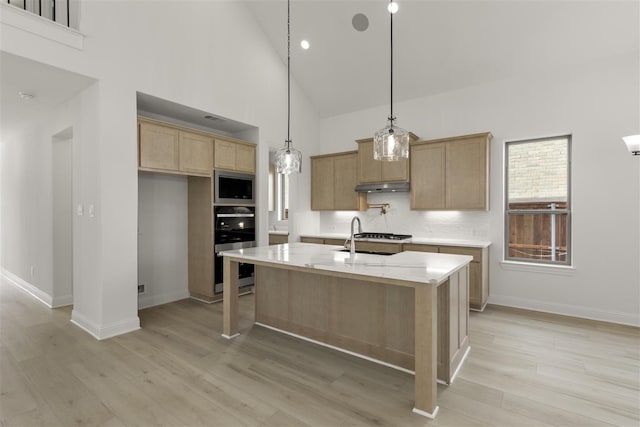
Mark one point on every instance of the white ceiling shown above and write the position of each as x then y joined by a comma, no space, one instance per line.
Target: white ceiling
439,45
50,86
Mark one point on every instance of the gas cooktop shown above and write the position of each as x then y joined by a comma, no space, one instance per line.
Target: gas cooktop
382,236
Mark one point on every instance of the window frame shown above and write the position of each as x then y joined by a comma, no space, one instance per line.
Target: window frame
568,262
282,196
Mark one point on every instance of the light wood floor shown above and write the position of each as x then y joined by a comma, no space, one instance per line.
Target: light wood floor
524,369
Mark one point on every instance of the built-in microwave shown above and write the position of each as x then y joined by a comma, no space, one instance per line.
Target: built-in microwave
233,187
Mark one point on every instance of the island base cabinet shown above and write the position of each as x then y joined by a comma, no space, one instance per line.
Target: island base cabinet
372,319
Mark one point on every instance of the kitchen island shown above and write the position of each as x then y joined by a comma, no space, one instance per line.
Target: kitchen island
408,310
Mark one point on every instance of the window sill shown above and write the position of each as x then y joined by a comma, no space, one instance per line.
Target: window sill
562,270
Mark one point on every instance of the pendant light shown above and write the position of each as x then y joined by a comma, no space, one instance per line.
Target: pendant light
288,159
391,142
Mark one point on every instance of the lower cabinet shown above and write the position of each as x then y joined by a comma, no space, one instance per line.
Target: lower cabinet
478,269
277,239
376,320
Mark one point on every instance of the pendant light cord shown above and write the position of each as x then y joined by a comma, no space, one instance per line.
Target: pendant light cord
391,55
288,74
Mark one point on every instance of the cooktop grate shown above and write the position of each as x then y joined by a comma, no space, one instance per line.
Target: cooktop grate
388,236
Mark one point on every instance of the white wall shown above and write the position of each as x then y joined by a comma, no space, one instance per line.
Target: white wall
162,238
211,56
598,104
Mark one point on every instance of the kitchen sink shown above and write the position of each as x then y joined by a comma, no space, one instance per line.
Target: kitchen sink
366,252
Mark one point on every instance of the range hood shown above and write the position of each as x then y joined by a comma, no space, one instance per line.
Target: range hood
383,187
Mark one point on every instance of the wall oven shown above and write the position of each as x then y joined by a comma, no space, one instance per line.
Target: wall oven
234,229
233,187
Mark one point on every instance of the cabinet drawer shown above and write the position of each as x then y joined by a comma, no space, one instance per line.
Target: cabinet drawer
393,248
277,239
416,247
476,253
339,242
316,240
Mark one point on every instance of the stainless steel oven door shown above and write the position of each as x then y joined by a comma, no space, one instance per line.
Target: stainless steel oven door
245,271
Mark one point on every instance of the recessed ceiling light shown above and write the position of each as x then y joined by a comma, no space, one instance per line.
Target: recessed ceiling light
26,95
304,44
360,22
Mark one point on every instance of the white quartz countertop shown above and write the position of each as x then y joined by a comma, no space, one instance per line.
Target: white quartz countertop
421,267
279,232
417,240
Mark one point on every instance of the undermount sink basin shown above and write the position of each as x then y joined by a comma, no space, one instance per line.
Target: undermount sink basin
366,252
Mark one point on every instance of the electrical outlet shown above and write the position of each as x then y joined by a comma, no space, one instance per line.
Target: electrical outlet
32,270
140,289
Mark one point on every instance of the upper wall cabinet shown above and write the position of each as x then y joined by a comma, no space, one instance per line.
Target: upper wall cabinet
333,182
371,170
164,148
451,173
235,156
158,147
196,153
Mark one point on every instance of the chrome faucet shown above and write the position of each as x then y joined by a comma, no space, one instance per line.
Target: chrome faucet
352,247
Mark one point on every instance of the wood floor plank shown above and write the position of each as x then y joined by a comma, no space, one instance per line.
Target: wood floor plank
70,401
524,368
15,396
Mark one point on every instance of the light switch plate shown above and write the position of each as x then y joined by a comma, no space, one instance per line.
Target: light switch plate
79,210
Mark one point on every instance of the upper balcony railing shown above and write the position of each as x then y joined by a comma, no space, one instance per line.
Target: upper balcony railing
59,11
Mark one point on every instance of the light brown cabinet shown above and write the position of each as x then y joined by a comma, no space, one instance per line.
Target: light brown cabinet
277,239
453,173
196,153
478,269
165,148
172,149
371,170
392,248
158,147
235,156
333,182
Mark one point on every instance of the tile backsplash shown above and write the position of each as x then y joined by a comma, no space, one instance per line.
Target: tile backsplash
400,219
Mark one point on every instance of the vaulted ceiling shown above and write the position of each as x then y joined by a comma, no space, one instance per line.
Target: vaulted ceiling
439,45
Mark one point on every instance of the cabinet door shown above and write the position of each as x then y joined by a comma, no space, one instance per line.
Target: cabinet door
158,147
246,158
466,174
196,153
428,176
476,293
224,155
322,191
395,171
369,170
417,247
344,182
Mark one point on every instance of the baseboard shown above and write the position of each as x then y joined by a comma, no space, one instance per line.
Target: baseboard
630,319
62,301
146,301
107,331
27,287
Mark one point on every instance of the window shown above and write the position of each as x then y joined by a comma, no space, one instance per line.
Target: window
283,197
278,194
537,200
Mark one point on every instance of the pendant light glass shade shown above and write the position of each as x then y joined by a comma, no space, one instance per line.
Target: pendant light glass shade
288,159
391,143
